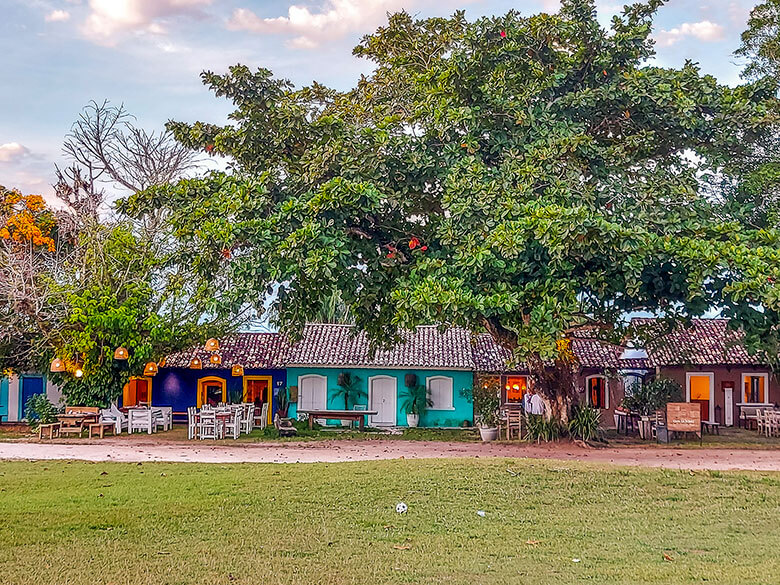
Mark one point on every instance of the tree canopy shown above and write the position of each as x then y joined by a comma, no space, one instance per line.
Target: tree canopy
520,175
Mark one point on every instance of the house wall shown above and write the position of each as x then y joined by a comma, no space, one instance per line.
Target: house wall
724,374
463,409
11,406
178,387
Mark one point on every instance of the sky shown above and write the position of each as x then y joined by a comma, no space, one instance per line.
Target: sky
57,55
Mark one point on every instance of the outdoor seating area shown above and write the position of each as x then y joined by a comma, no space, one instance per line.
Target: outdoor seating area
223,420
768,422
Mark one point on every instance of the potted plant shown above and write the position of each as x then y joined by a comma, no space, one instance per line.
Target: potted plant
649,397
486,400
415,402
282,402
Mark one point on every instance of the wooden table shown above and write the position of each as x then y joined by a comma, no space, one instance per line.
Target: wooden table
75,422
100,428
353,415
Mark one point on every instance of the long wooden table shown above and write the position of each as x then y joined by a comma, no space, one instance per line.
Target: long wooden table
352,415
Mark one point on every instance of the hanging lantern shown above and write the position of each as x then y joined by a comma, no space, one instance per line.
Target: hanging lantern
150,369
57,365
162,363
78,371
215,359
121,353
212,345
196,364
237,371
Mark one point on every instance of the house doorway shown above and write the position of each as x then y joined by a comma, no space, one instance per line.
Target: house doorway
728,403
137,391
29,386
382,396
211,391
700,389
257,390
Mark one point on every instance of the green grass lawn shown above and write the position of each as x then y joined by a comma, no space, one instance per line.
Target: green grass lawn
336,523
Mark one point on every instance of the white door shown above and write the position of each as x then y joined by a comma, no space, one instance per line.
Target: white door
382,390
729,396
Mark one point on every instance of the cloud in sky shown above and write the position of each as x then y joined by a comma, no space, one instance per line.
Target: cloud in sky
705,30
109,18
57,16
11,152
335,20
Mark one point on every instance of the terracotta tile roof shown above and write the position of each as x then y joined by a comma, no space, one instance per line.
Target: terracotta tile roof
590,353
704,342
340,346
264,351
489,356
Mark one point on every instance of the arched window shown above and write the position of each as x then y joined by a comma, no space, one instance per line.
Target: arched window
440,392
312,392
597,391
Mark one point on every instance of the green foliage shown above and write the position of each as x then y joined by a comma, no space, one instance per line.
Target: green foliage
539,429
485,396
522,175
415,400
584,423
646,398
349,388
282,402
38,410
761,41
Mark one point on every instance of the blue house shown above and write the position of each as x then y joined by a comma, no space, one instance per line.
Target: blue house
15,390
441,360
247,367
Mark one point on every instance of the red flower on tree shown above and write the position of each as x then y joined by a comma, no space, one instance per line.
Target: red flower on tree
503,34
413,243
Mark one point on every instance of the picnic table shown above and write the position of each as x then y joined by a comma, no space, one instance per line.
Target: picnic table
75,422
353,415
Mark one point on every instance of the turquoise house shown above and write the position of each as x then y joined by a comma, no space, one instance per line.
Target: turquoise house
442,361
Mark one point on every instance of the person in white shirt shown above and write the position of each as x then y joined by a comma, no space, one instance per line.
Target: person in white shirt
527,401
535,403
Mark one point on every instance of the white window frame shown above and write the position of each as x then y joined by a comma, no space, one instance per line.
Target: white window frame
763,375
711,376
301,379
451,393
606,390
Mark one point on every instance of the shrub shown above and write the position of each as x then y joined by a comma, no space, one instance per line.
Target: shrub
654,395
486,399
39,411
584,423
540,429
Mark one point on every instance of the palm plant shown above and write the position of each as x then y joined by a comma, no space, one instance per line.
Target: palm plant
415,400
348,386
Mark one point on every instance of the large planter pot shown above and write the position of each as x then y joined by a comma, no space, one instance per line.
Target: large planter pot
644,428
488,433
412,420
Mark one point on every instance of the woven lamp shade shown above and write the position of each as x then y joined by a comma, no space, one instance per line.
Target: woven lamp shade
196,364
121,353
215,359
237,371
150,369
57,365
212,345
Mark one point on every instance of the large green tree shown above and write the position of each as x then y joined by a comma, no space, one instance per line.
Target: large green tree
519,175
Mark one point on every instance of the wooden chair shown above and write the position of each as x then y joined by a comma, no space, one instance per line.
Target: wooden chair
248,419
233,426
207,425
514,423
285,427
140,419
192,422
761,422
77,426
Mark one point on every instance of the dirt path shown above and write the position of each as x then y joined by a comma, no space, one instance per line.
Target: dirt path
345,450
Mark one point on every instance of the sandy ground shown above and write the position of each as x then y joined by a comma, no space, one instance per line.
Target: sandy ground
345,450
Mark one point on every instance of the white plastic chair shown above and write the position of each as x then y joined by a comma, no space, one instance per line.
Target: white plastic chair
116,416
192,422
140,419
233,425
207,425
248,419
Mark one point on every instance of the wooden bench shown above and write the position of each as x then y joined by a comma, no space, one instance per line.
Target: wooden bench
352,415
51,429
100,428
711,427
